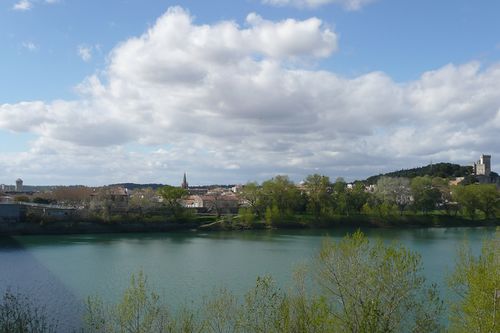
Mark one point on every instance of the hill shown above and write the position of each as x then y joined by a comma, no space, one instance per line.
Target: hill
443,170
133,186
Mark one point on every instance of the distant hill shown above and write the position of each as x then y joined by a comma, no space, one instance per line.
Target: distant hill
133,186
443,170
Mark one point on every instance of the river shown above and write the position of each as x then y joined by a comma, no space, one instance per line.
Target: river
61,271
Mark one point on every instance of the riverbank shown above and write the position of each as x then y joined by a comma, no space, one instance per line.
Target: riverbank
212,223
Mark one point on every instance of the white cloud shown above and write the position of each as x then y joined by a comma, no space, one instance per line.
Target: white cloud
30,46
223,103
22,5
85,52
347,4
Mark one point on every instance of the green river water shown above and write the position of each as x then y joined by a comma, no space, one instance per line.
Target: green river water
61,271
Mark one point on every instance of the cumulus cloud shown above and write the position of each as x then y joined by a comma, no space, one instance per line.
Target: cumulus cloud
22,5
222,102
347,4
85,52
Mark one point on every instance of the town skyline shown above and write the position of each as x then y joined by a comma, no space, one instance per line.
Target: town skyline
239,91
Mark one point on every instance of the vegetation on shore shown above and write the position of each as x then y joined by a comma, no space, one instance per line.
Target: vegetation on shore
354,285
317,202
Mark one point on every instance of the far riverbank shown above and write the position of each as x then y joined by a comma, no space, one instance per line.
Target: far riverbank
233,223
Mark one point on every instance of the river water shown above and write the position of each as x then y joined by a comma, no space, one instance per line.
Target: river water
61,271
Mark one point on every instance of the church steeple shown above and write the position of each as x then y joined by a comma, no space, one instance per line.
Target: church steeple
184,184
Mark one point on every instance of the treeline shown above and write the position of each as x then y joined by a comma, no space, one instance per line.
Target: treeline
359,286
441,170
279,200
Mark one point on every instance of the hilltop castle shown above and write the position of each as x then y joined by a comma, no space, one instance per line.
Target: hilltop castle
483,166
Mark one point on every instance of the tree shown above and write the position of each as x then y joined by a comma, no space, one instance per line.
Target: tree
20,314
425,195
318,192
468,199
144,200
489,199
394,191
281,192
357,197
139,311
70,194
476,282
171,196
376,287
252,194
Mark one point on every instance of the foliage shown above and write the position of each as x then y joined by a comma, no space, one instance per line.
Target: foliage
483,197
476,282
171,196
21,198
376,288
442,170
394,191
18,314
251,193
70,194
282,196
246,215
426,195
144,200
318,192
139,311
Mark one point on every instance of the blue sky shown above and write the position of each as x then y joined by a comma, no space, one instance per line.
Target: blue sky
49,48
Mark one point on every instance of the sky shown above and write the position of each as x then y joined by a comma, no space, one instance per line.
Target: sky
99,92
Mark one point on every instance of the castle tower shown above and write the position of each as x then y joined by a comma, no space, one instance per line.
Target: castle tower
19,185
483,166
184,184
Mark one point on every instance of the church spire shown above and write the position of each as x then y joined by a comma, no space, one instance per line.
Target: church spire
184,184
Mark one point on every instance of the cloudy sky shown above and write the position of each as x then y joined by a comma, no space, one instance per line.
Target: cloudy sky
96,92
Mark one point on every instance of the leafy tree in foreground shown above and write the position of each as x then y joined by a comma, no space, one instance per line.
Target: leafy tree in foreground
376,288
476,281
139,311
18,314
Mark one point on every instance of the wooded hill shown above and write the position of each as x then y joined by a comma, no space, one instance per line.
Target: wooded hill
443,170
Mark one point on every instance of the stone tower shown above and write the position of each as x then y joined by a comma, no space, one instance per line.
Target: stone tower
19,185
184,184
483,166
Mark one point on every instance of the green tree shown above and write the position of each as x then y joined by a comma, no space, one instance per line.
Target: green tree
426,196
357,197
376,287
476,282
489,199
281,193
138,311
19,314
252,194
339,196
171,196
318,193
468,199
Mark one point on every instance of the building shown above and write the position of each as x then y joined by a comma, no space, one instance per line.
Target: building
184,184
483,166
19,185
